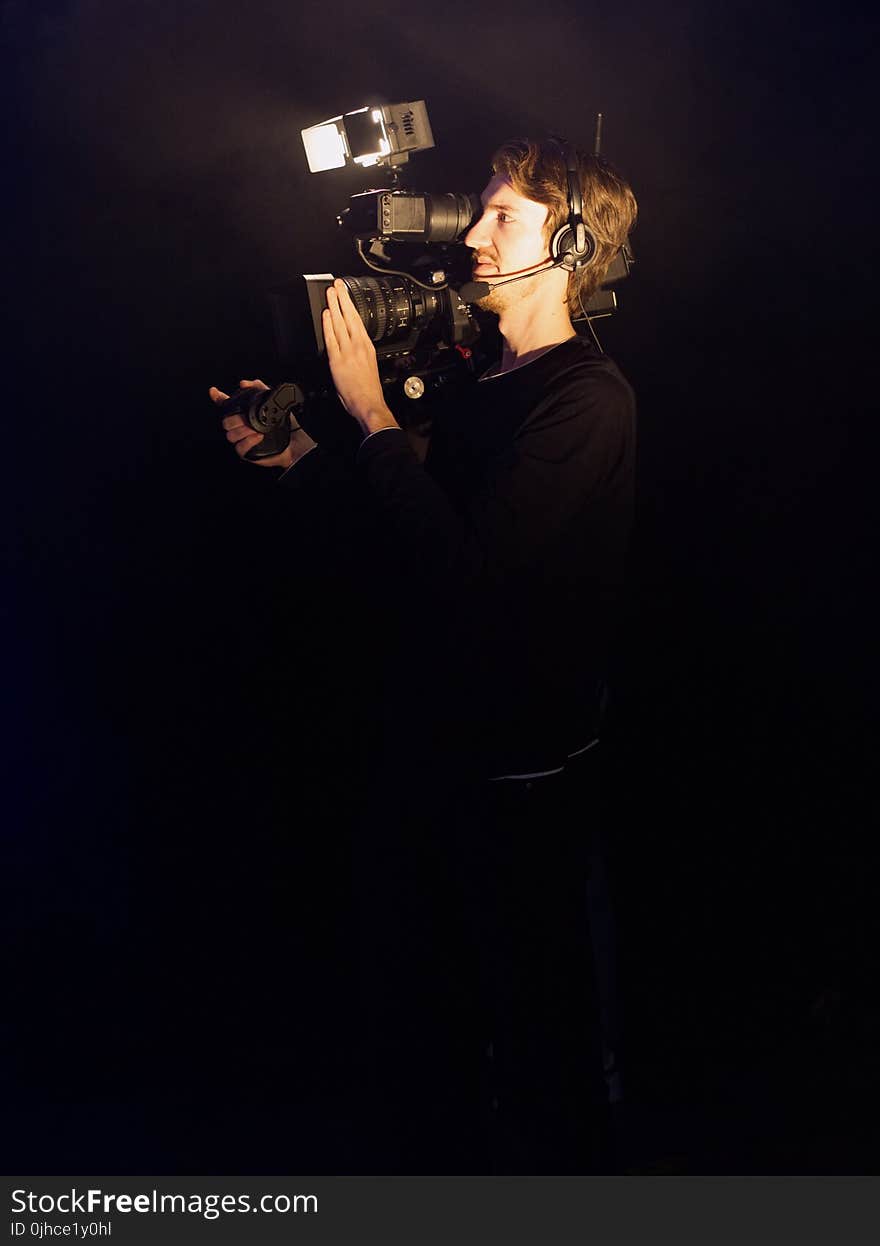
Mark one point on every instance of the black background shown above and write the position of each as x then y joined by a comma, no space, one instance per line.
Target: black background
180,658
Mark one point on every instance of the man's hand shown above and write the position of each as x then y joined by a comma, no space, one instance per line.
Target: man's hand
244,438
352,359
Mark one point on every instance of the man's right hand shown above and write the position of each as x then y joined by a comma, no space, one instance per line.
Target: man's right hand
244,438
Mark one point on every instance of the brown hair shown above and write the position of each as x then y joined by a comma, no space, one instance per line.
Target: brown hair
536,170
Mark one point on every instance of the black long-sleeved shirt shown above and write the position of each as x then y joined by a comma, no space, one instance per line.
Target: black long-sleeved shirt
512,535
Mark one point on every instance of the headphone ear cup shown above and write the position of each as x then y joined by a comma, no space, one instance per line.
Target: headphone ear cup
562,247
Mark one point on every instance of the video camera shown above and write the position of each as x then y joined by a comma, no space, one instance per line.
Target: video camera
419,307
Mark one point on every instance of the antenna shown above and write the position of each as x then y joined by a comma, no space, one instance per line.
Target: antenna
597,141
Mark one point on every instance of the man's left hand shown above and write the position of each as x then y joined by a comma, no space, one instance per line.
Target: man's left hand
352,359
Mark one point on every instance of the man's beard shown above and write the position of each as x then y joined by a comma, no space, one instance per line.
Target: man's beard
502,298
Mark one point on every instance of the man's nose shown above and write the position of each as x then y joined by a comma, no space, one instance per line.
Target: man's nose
477,235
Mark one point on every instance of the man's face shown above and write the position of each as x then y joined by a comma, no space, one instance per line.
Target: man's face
507,237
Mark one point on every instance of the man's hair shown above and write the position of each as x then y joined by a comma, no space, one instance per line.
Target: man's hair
536,170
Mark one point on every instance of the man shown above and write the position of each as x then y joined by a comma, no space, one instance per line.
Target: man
509,541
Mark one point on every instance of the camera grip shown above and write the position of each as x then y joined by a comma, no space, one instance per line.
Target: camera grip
267,412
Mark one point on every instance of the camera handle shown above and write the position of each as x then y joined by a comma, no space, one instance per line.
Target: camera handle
267,412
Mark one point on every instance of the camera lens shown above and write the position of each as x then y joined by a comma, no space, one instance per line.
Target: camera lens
392,307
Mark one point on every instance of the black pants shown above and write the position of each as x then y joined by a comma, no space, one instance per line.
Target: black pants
480,1027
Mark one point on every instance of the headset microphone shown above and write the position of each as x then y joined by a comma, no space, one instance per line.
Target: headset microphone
471,291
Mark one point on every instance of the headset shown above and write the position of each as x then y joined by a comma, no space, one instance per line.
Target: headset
573,245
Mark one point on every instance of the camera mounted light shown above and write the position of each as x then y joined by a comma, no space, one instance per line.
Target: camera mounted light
384,134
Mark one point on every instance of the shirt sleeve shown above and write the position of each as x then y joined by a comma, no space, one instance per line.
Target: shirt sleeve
317,471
